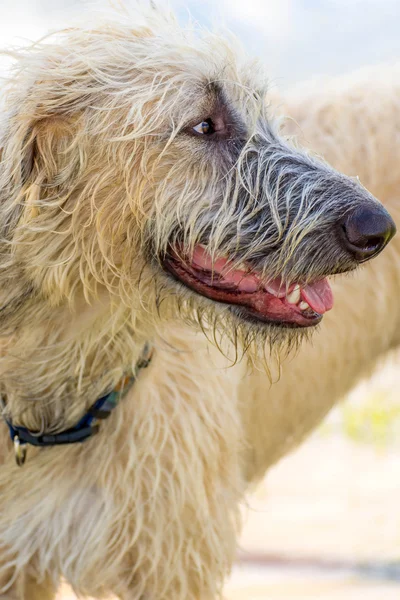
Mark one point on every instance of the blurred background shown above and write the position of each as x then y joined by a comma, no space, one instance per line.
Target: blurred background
338,536
296,38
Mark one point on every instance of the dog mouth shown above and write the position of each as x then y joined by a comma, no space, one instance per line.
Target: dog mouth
274,302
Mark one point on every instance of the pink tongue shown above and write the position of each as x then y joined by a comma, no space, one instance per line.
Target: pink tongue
318,295
202,258
243,281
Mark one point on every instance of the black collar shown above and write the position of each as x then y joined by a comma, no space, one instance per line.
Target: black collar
87,426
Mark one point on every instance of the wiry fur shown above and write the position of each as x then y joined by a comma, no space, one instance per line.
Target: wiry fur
100,176
353,122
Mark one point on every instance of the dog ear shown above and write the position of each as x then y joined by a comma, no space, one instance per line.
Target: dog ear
49,158
38,160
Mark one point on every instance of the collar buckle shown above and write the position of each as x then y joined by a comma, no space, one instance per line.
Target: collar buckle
19,451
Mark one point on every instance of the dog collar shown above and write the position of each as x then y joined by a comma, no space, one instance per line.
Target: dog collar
88,424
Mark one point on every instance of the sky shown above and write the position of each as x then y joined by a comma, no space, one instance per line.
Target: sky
297,39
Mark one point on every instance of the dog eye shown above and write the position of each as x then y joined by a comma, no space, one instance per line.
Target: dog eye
205,127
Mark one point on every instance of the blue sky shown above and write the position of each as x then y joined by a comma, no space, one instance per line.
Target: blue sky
297,39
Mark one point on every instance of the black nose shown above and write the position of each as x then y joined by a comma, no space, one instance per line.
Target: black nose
367,231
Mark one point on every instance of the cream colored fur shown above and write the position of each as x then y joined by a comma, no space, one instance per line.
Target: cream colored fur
148,509
91,160
118,516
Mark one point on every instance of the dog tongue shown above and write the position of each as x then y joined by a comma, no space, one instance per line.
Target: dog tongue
318,295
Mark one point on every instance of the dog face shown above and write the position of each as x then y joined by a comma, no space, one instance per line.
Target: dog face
145,162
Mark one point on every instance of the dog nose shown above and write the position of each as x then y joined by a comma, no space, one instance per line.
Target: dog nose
367,230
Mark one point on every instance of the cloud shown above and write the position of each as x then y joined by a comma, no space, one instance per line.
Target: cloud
273,17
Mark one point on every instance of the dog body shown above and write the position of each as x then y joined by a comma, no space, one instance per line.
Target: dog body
147,199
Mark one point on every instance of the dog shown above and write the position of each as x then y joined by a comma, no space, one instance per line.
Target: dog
355,129
151,216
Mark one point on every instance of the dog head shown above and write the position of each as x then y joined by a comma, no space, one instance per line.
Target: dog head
145,162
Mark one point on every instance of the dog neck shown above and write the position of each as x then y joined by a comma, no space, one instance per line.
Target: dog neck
54,368
87,426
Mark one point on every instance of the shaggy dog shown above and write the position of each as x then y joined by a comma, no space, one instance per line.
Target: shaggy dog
355,126
148,202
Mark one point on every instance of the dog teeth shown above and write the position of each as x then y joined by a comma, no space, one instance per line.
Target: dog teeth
303,305
294,295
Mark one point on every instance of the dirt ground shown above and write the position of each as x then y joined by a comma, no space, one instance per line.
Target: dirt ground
326,529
